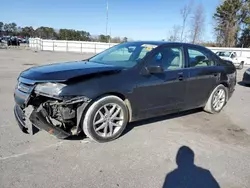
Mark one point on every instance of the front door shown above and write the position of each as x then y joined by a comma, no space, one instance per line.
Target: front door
159,93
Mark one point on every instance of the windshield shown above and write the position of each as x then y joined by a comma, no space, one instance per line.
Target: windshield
224,54
125,55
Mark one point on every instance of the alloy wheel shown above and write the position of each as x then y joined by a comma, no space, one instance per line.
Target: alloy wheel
108,120
219,99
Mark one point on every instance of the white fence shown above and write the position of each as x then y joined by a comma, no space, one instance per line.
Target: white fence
68,46
96,47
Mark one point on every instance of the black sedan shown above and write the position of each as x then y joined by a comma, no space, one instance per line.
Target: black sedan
246,77
128,82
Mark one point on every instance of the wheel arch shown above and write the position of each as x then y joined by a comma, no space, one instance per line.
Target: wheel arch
224,83
117,94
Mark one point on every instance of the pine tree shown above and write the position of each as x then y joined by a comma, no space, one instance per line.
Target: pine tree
228,18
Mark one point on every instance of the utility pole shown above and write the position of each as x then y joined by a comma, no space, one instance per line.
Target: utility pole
109,36
107,20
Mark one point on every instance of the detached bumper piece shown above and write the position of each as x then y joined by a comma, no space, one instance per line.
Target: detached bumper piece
38,118
39,121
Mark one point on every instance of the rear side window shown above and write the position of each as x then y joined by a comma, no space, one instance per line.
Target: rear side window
198,58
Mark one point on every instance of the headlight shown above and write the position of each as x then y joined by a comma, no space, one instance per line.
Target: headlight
53,89
248,71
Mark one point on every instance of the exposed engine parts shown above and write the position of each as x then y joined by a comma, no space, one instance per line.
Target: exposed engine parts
62,115
59,111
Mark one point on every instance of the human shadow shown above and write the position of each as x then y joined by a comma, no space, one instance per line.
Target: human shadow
187,174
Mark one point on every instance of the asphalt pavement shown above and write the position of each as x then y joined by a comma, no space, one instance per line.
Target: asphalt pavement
141,158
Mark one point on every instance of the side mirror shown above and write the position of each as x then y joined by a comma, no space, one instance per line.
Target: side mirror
155,69
200,58
130,49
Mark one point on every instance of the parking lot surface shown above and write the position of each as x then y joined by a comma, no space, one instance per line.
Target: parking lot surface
142,157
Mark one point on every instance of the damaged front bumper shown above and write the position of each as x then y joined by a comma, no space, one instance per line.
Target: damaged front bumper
37,122
31,118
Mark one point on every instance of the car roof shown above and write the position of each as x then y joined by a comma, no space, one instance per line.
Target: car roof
158,43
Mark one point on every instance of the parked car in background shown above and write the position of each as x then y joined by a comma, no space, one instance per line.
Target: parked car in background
128,82
3,43
22,39
13,41
246,77
5,38
232,56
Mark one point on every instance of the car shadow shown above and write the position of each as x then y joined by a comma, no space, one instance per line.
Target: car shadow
187,174
132,125
80,136
243,84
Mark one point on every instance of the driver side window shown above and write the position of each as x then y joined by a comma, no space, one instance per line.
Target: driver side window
170,58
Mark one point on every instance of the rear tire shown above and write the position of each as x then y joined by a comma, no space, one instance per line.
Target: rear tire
217,100
106,119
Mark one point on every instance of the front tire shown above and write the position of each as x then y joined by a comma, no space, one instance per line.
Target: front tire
106,119
217,99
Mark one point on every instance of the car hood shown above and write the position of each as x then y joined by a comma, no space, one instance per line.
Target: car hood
65,71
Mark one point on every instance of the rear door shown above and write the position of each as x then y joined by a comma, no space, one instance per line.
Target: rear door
204,75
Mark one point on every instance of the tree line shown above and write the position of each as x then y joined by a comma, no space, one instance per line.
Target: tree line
11,29
231,27
192,27
231,24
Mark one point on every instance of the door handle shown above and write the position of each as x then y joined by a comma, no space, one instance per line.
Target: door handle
180,76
